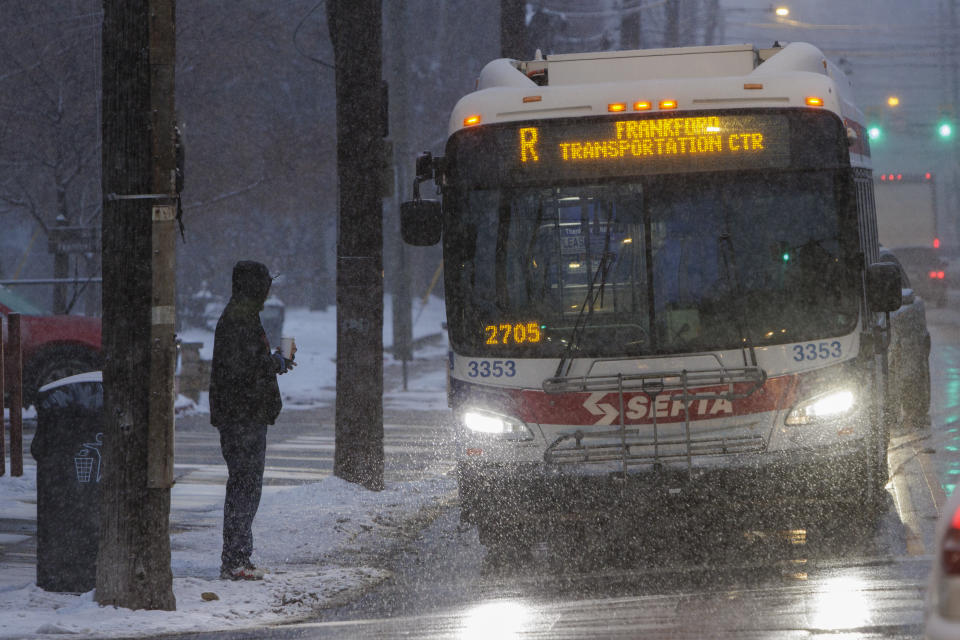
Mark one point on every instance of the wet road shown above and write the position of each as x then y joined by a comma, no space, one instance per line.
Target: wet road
696,572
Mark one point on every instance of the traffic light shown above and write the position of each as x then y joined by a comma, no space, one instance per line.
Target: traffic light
874,122
945,121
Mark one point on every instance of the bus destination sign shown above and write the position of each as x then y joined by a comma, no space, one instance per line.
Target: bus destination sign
650,145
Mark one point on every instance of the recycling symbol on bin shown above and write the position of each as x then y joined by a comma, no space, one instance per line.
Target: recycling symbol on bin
84,461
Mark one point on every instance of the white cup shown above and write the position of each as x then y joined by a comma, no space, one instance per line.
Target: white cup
288,348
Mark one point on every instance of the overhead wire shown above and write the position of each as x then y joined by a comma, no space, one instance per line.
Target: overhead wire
297,31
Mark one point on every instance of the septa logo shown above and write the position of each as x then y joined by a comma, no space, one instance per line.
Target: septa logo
608,411
663,406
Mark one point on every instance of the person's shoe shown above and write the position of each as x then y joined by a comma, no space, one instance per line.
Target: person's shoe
246,572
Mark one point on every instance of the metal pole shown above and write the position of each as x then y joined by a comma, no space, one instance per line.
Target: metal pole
16,395
955,104
3,455
399,108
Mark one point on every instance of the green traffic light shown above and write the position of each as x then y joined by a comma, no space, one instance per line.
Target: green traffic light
786,257
945,130
873,132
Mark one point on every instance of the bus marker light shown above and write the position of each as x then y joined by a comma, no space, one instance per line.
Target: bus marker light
474,452
642,105
753,85
616,107
668,104
469,121
814,101
532,98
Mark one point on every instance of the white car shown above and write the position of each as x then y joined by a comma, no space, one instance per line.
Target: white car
943,590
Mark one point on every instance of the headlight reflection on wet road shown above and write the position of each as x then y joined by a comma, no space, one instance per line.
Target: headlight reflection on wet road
502,619
841,604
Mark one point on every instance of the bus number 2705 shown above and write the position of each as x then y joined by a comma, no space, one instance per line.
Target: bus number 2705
491,368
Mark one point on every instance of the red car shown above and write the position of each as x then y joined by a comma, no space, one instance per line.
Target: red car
53,346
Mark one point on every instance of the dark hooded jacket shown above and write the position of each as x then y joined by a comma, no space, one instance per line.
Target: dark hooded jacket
243,375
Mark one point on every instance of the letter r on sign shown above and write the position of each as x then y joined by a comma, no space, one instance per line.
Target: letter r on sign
528,144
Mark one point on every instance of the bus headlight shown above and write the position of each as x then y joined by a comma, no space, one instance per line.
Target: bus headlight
495,424
828,406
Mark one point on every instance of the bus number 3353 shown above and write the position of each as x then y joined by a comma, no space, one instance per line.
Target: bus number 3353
815,351
491,368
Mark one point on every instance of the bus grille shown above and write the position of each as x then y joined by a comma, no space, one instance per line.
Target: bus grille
580,448
629,446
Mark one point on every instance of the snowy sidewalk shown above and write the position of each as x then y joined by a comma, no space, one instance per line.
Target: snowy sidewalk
322,543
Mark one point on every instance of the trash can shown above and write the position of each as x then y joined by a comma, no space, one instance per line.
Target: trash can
68,447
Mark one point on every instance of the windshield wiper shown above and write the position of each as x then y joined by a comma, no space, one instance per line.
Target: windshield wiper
746,342
593,292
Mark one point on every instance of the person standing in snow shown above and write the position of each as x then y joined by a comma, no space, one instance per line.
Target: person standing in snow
244,400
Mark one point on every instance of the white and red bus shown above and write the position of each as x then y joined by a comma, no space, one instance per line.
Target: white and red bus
661,276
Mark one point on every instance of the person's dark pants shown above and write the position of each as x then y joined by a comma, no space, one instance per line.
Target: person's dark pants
244,448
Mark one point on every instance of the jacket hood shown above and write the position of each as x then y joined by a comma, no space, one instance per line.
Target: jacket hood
251,282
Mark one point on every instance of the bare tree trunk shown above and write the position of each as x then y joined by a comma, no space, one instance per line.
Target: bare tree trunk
513,29
713,17
61,270
133,563
672,30
355,29
631,28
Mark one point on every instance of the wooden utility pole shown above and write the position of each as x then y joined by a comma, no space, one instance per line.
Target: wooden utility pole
355,30
139,183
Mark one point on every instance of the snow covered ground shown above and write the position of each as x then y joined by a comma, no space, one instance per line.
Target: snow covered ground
323,536
313,382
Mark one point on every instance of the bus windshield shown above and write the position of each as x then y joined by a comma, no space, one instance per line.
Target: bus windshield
651,264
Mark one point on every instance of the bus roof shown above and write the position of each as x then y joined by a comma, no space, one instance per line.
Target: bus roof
694,78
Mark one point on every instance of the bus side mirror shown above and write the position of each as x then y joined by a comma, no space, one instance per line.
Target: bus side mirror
421,222
883,287
425,166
